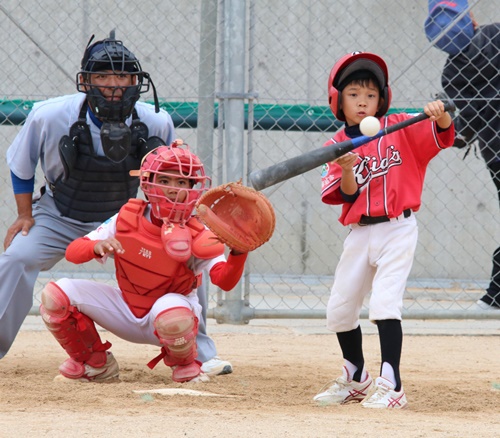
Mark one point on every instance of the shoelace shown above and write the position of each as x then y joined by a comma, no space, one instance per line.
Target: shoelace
340,383
379,393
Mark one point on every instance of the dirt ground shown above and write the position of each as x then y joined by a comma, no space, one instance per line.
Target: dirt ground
452,383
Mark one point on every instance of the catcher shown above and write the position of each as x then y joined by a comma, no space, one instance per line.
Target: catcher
160,251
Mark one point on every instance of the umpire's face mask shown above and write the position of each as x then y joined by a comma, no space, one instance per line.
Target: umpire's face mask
116,140
113,103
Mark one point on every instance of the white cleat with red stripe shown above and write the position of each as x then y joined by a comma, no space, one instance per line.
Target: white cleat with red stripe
344,390
383,396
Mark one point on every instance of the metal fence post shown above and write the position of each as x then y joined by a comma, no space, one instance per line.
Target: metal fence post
206,85
231,307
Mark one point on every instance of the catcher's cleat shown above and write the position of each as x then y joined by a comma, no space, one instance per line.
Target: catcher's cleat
71,370
384,397
344,390
200,378
188,373
217,367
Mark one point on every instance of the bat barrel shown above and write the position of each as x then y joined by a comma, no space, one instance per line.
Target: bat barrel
260,179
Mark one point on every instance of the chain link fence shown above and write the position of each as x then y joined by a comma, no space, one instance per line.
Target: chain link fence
245,83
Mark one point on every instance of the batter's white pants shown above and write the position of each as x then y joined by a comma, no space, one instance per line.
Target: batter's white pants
376,258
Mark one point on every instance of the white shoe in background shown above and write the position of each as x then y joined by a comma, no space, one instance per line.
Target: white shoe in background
216,367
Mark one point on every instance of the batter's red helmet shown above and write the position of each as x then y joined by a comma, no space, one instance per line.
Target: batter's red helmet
162,161
349,64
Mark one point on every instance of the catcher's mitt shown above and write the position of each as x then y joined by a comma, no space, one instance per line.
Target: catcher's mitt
239,216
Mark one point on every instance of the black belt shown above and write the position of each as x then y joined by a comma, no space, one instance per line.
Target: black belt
372,220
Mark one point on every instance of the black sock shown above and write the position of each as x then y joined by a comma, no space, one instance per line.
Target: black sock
391,344
351,344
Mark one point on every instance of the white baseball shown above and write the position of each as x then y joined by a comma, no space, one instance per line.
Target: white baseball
369,126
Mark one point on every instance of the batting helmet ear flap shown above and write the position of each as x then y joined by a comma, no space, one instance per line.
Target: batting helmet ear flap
385,101
334,100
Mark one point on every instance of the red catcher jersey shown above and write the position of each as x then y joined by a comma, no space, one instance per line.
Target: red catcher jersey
145,271
389,172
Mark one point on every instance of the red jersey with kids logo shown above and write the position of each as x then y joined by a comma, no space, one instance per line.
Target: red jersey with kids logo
389,172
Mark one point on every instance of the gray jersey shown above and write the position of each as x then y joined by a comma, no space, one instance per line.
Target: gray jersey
49,120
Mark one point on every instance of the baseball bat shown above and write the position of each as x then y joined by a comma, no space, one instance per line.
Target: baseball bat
260,179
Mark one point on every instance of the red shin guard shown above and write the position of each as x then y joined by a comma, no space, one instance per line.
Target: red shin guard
74,331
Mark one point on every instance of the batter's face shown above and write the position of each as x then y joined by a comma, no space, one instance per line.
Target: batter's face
171,185
360,101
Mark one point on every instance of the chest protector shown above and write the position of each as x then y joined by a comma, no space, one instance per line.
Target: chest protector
93,188
145,272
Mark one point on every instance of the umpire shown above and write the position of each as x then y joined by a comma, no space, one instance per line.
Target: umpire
86,143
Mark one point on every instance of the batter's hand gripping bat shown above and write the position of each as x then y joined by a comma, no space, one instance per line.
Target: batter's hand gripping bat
260,179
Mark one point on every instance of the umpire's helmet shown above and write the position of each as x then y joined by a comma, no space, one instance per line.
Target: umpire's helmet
111,57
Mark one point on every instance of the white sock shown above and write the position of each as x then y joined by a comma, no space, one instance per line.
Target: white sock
388,373
351,369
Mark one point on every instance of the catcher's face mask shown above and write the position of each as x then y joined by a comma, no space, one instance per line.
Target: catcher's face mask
173,179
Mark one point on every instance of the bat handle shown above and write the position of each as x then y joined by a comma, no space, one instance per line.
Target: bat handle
449,106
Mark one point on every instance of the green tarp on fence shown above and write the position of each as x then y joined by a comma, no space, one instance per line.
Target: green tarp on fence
185,115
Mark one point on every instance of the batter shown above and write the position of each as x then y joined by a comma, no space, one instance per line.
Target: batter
379,187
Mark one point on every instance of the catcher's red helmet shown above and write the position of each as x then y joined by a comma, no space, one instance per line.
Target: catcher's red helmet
351,63
163,161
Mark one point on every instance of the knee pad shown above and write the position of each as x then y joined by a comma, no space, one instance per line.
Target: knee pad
176,328
55,306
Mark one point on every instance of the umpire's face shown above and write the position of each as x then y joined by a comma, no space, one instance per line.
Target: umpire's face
111,84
